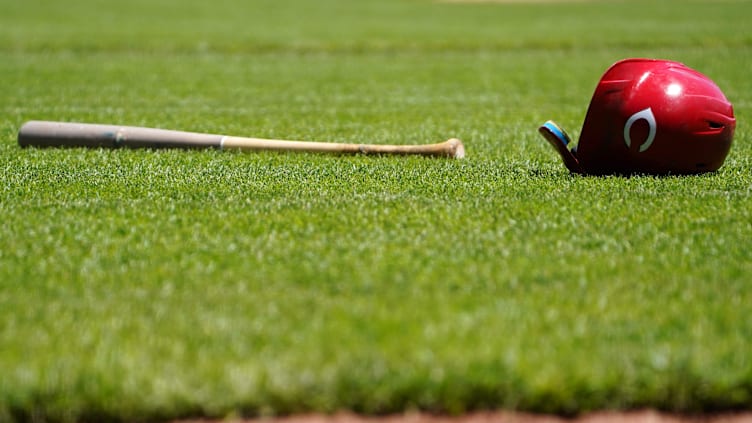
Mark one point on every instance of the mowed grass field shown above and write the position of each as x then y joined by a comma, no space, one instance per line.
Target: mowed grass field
149,285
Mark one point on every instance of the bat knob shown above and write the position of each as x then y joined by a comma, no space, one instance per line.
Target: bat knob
456,148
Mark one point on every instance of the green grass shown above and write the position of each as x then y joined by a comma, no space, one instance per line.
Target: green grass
149,285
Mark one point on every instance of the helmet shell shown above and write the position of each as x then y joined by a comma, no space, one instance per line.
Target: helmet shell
656,117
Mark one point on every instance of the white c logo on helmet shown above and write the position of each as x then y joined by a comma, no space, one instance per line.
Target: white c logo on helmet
647,115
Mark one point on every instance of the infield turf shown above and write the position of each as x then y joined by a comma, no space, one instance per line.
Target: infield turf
148,285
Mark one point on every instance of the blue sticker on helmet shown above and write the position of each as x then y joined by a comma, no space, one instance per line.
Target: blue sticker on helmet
554,129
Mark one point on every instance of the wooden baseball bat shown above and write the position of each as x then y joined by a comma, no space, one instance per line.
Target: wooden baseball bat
67,134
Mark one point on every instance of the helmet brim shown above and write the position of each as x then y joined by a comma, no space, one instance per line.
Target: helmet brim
560,140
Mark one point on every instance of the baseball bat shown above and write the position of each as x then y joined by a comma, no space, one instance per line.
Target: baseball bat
68,134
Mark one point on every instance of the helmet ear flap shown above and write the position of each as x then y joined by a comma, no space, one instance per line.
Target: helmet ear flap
560,140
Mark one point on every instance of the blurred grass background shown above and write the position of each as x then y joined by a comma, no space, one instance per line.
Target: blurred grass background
149,285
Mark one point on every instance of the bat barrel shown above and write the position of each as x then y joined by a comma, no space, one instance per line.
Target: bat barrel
67,134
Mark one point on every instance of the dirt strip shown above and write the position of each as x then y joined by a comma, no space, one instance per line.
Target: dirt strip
646,416
516,1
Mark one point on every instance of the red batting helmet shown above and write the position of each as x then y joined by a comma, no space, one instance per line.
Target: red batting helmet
650,116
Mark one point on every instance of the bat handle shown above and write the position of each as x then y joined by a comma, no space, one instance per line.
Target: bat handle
452,148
